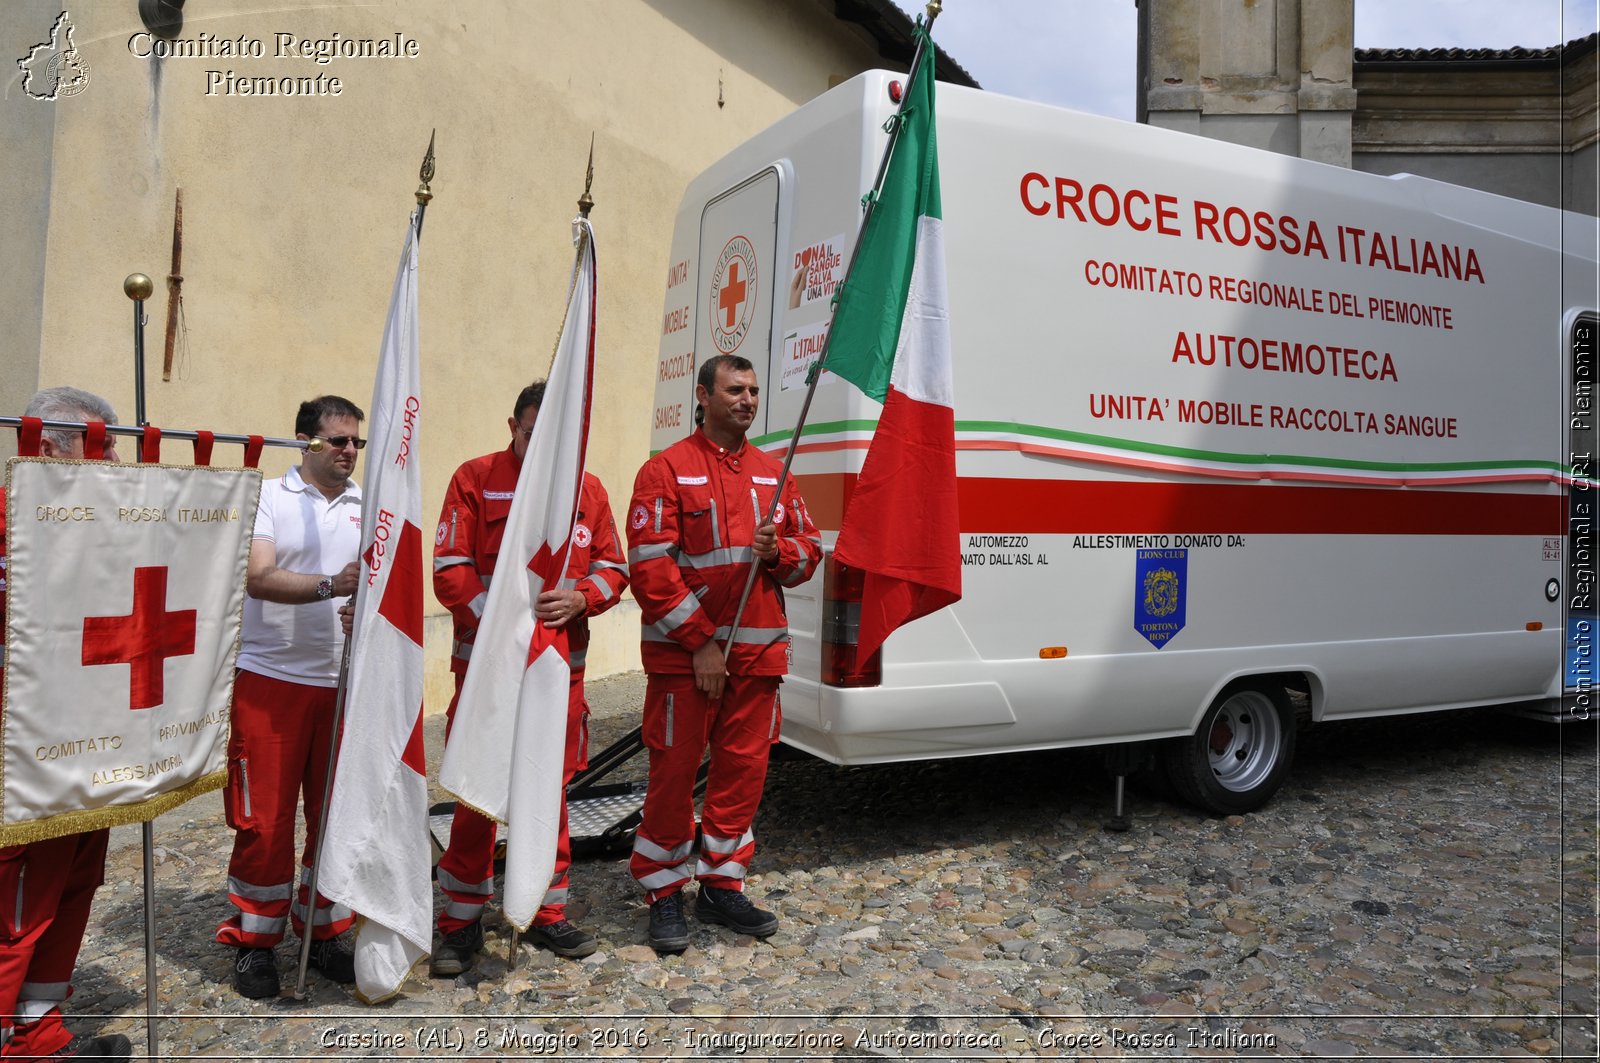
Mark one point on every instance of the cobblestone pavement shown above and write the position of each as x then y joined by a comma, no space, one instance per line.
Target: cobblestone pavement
1422,888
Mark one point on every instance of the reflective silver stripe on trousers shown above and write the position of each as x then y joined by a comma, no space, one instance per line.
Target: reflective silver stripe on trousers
651,851
461,651
477,604
263,924
47,993
669,745
249,890
467,910
748,636
710,843
554,897
660,879
727,870
579,659
442,563
447,881
333,913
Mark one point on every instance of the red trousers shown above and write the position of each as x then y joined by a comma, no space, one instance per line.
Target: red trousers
679,723
278,749
466,870
45,892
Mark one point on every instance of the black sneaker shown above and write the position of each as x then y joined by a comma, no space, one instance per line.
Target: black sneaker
333,957
669,931
455,952
110,1046
255,974
731,908
564,939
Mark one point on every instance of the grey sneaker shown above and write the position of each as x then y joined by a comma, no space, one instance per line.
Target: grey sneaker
456,951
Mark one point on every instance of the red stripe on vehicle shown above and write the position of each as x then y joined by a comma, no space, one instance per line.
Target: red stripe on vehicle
1066,507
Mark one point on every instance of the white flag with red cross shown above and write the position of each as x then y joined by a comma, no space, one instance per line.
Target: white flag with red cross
125,586
504,757
375,852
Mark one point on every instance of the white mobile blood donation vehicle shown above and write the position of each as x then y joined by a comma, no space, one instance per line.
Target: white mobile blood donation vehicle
1240,437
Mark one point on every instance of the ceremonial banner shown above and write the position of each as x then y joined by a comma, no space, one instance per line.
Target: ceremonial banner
504,756
375,853
125,587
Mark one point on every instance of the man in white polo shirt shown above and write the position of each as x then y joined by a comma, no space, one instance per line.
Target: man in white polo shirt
302,558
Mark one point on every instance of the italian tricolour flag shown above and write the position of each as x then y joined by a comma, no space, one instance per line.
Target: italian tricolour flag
891,338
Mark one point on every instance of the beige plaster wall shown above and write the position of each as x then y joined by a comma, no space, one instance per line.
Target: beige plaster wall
294,208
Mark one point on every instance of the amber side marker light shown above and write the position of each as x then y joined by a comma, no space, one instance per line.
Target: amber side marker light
1050,653
1536,626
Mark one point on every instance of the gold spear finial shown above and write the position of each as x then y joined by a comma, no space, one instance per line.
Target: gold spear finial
934,7
586,201
424,193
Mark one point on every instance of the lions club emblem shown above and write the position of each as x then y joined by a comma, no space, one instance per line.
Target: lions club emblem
1160,592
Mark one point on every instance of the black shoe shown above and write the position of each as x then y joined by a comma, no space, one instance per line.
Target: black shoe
110,1046
255,974
455,952
669,931
564,939
333,957
731,908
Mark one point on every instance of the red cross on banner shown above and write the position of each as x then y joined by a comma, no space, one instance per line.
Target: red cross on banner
143,639
732,293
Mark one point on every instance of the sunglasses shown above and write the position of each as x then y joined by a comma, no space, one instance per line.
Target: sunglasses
338,442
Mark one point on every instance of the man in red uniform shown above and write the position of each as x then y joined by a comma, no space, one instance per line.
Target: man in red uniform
696,523
466,547
46,887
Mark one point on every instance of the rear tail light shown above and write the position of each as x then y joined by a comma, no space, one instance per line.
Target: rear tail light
842,588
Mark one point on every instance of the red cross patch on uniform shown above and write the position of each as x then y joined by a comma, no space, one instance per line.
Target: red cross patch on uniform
638,517
438,536
580,536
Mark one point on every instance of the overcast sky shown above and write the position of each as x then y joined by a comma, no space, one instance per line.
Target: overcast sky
1079,53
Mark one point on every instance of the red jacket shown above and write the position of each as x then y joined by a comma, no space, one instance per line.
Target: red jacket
467,544
691,526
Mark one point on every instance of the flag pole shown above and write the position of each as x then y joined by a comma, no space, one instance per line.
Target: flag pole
139,287
424,195
585,205
923,40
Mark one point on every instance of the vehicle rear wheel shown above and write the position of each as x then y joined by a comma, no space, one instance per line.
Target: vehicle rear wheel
1240,754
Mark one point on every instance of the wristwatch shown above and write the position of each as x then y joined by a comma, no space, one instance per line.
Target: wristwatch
324,588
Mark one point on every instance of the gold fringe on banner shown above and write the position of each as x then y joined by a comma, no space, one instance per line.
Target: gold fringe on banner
85,820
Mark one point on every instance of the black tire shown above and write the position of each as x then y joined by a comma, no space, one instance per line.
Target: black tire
1240,754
